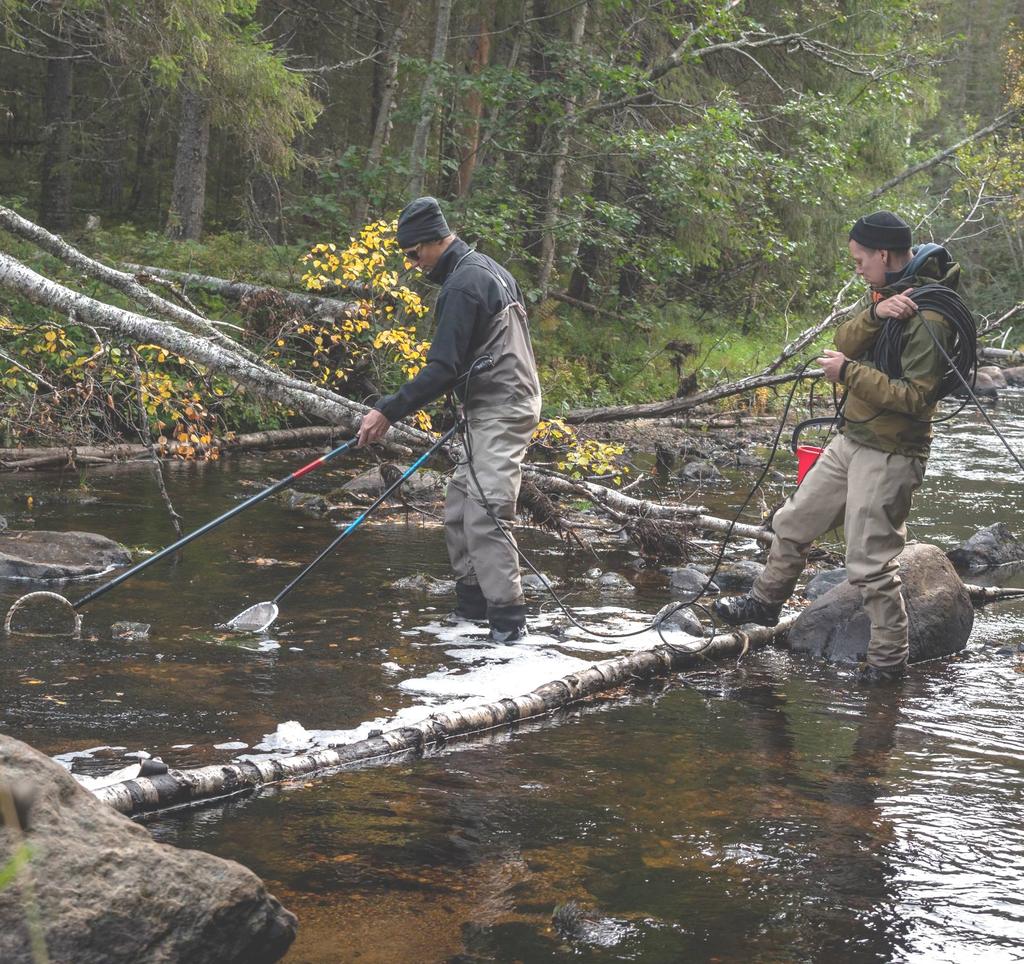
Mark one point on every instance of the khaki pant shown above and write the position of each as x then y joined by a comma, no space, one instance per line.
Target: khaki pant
869,493
479,553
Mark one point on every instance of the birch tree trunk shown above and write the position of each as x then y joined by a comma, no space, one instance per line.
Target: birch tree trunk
418,154
188,193
180,787
322,404
555,185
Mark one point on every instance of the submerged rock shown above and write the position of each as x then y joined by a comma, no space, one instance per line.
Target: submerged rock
686,581
836,628
823,582
534,583
737,576
126,630
994,374
995,545
420,582
422,484
309,502
38,554
613,582
700,472
107,893
685,619
1014,376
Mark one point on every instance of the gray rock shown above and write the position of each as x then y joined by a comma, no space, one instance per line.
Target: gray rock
737,576
1014,376
3,523
823,582
534,583
422,484
995,545
593,574
125,630
995,374
685,581
309,502
700,472
38,554
613,582
984,387
684,619
420,582
107,893
836,628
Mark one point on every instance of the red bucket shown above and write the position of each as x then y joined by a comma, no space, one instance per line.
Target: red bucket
806,456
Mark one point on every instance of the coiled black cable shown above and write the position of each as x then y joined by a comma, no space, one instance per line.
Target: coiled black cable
888,348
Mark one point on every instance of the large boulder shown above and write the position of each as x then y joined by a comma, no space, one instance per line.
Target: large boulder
38,554
994,374
1014,376
422,484
105,891
836,628
995,545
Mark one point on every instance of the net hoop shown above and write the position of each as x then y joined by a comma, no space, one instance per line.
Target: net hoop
41,594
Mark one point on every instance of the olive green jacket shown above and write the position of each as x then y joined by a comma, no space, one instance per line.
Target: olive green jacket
894,414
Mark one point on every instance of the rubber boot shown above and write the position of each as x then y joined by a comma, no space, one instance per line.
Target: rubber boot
871,675
739,610
470,604
508,623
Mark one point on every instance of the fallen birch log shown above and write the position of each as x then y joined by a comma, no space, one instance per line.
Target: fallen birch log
183,787
1005,355
21,458
322,405
624,505
237,290
982,595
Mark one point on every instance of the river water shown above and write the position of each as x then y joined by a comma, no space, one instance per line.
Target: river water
769,811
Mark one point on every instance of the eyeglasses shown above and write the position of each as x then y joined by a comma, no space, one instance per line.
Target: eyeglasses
413,254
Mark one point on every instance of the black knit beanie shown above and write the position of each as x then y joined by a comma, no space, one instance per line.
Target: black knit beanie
882,230
421,220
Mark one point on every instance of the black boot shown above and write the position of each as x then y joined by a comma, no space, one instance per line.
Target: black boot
870,675
508,623
739,610
470,604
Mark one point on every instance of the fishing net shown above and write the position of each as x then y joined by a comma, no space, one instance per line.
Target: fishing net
42,614
254,619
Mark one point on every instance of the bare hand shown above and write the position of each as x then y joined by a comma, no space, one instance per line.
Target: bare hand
374,426
832,363
898,306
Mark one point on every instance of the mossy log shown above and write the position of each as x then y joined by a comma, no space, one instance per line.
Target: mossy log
185,787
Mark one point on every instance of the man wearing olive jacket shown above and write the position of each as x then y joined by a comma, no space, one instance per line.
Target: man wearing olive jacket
867,475
479,312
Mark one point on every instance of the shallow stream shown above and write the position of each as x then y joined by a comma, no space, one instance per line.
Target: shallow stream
770,811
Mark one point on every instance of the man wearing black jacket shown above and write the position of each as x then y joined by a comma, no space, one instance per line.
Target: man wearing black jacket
479,312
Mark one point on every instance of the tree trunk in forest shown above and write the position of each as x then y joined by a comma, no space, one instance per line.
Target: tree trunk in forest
55,175
563,137
588,260
478,57
418,154
382,124
188,193
143,124
263,209
535,184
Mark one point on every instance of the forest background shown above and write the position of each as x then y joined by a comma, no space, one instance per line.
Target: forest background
671,182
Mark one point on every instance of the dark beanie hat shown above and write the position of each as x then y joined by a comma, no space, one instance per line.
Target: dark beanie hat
882,230
421,220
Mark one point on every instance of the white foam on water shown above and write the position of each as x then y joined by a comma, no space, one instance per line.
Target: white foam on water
481,671
231,745
129,772
67,759
138,754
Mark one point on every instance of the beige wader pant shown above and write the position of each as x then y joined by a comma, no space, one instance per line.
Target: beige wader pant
479,553
868,492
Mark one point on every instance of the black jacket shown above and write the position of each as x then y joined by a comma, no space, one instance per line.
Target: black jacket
475,290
